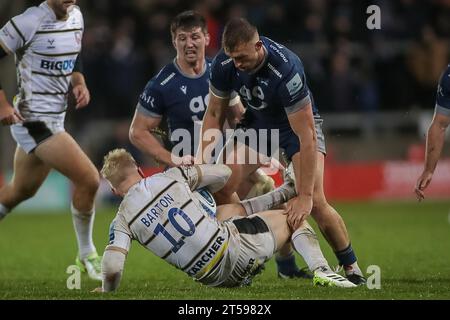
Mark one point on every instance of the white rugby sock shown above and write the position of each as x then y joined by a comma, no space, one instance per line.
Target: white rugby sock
306,244
3,211
269,200
83,224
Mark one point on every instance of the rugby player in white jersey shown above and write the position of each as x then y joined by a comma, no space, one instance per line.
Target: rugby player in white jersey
165,215
46,41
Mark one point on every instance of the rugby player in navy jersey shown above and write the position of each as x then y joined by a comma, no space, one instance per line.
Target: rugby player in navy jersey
271,82
180,93
436,134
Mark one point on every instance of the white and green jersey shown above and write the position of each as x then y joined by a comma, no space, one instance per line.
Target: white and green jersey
167,218
46,50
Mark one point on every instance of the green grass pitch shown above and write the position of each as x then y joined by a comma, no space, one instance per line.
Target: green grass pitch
410,243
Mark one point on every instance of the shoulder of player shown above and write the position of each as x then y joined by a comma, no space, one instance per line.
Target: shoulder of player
35,13
30,18
76,11
222,61
445,79
164,77
281,59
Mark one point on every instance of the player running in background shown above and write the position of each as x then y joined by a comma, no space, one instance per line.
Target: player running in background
180,92
46,41
271,82
436,134
163,214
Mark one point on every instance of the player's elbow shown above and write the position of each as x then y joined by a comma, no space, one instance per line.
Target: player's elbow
135,135
224,173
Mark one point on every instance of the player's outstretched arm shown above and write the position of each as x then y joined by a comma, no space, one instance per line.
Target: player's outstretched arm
434,145
213,122
212,176
302,123
112,267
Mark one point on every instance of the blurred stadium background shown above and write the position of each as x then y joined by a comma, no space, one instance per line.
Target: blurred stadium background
374,88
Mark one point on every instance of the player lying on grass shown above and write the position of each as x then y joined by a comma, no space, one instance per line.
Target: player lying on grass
164,214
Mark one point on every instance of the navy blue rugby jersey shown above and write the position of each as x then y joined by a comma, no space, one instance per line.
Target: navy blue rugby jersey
181,98
443,94
277,88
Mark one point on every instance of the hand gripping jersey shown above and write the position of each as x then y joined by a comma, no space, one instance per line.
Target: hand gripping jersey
161,213
46,50
279,83
443,94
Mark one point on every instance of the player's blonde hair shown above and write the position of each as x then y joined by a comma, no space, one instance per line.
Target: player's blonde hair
116,166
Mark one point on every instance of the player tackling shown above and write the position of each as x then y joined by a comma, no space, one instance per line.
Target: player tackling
165,216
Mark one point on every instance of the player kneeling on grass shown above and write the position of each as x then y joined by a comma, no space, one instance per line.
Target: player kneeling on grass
164,214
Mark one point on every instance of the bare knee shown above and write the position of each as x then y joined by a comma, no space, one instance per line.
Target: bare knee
88,182
24,192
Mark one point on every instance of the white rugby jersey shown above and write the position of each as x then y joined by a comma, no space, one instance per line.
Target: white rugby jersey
45,50
161,213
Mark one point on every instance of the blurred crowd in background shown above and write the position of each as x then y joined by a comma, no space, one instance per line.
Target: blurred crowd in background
349,68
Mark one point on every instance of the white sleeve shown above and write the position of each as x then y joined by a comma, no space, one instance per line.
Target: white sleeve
112,267
234,99
212,176
19,30
119,234
115,253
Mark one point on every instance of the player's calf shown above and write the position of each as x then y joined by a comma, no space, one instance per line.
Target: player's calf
306,243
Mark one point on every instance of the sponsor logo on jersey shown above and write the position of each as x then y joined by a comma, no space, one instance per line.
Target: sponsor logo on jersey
263,81
148,99
225,62
207,256
50,42
183,89
65,65
164,82
281,54
207,196
274,70
294,85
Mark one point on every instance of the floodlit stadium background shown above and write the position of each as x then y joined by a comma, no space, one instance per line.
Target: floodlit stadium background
375,90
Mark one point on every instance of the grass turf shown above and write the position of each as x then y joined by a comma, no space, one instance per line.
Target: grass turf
410,243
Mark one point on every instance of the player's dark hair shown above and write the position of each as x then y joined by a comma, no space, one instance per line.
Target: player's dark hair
187,20
236,32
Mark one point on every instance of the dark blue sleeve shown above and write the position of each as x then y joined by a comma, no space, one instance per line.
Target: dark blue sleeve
219,76
293,90
443,94
151,102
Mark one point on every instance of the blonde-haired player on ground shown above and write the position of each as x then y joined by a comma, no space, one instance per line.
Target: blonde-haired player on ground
46,41
165,216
